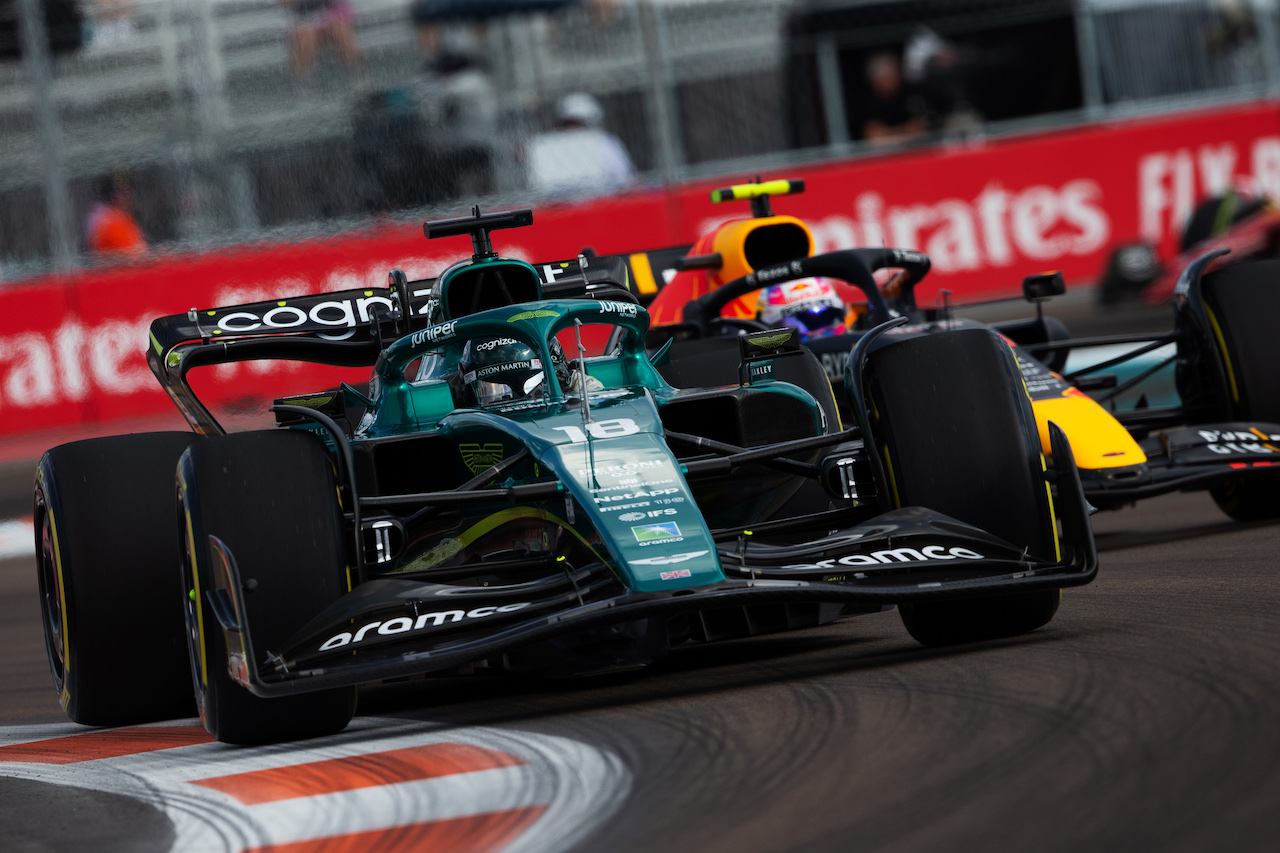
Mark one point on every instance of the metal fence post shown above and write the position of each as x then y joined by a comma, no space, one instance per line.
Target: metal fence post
664,117
39,67
1087,55
1269,36
832,86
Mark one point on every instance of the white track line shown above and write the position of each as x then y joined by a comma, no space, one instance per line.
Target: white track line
16,539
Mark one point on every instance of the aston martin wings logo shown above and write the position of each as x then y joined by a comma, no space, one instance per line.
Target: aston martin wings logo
479,457
771,341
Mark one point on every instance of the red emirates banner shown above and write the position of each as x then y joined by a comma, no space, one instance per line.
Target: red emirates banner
988,213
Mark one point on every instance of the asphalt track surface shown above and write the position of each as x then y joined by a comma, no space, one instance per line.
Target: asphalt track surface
1142,717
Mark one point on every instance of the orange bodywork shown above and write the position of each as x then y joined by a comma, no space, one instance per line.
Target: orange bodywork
1097,438
735,242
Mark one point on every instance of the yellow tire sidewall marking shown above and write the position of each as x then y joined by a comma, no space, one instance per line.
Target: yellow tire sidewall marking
1226,358
195,580
64,696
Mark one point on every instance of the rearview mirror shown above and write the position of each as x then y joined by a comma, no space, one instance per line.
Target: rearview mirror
1043,285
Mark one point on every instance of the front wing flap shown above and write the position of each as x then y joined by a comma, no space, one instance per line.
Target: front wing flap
1186,458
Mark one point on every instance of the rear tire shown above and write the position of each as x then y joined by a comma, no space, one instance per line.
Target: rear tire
952,420
1248,500
1244,300
104,522
270,498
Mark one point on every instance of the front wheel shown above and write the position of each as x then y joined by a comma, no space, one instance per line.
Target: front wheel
951,417
1248,500
269,497
1241,302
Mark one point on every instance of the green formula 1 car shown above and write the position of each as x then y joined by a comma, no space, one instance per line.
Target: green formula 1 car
500,500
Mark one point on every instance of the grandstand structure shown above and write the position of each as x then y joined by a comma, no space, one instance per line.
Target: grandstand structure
196,100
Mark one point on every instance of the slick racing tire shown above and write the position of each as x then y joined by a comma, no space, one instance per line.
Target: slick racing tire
1242,302
270,498
104,522
952,420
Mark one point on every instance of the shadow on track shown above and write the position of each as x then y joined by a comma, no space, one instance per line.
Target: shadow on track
696,671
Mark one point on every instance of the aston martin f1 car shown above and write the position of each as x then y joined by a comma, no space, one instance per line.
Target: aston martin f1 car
1222,434
496,499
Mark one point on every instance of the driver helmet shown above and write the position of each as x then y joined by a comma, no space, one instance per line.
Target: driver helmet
501,370
808,304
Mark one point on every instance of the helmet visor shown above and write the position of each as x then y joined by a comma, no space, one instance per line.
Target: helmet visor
817,321
507,388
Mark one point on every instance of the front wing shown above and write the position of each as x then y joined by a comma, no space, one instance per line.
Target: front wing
401,628
1189,458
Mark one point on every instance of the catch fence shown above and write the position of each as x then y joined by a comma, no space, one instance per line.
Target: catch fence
224,143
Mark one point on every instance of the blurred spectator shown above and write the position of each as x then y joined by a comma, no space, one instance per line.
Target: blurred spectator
428,16
393,157
461,105
110,228
940,71
460,98
112,22
316,23
889,113
417,145
579,156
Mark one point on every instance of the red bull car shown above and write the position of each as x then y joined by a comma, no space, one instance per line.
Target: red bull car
1222,433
